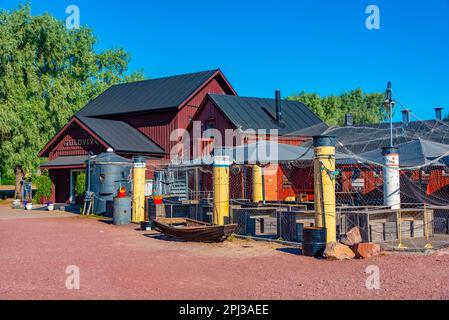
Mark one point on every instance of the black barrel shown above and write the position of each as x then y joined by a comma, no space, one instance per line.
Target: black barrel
313,241
299,232
145,225
121,211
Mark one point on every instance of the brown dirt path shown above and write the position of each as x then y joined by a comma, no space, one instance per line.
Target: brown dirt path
123,263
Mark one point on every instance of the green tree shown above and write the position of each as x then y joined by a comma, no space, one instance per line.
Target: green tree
365,107
80,184
47,73
43,185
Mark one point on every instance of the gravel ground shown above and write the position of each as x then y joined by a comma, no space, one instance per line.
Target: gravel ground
123,263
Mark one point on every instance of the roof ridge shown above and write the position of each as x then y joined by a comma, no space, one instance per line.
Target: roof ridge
250,97
168,77
149,94
94,117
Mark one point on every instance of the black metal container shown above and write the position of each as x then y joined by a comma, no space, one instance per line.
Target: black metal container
299,232
145,225
122,211
313,241
108,173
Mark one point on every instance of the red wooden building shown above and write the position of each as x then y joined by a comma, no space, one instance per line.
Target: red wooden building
253,119
139,118
133,119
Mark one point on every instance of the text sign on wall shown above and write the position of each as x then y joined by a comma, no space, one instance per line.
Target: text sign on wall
80,142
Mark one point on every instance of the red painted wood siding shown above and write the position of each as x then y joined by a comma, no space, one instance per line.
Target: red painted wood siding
187,113
212,115
159,126
277,184
67,144
155,125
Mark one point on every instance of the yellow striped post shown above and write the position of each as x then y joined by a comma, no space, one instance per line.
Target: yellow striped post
257,184
426,228
399,221
324,185
138,195
221,189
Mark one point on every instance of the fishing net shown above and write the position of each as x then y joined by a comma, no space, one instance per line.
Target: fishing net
359,182
359,185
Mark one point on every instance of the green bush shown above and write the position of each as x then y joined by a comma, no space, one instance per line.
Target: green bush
43,185
80,184
7,181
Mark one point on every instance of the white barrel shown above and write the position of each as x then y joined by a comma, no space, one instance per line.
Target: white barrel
222,161
392,195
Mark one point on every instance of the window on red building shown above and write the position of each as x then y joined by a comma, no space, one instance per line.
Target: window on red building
210,124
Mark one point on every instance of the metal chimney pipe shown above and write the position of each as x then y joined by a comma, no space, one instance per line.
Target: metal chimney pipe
405,116
349,121
439,113
278,106
389,103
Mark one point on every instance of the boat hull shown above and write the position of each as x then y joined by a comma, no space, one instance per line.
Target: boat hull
193,230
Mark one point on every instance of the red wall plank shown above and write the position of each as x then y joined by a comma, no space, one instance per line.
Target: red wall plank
159,126
75,142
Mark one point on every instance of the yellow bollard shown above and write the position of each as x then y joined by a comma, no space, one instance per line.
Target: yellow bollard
257,184
221,189
399,219
324,185
138,196
426,228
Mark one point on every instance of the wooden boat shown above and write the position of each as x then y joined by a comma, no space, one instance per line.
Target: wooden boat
193,230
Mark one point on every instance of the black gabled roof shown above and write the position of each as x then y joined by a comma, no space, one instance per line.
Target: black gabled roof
260,113
153,94
65,161
121,136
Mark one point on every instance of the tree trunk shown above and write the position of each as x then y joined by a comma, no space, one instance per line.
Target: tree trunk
19,182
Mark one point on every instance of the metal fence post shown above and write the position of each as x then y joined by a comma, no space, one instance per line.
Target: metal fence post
447,224
399,219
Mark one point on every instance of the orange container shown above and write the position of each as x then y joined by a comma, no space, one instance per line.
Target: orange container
157,200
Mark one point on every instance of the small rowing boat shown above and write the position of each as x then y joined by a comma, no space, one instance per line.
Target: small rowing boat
193,230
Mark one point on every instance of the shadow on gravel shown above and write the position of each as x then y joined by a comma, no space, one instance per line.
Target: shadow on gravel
294,251
105,221
162,237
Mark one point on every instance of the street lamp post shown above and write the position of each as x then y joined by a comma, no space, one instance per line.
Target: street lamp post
389,102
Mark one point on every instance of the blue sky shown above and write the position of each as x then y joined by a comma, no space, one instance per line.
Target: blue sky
318,46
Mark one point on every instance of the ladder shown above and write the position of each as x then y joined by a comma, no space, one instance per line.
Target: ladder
88,203
179,187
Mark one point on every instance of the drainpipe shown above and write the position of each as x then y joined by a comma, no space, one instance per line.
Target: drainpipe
89,157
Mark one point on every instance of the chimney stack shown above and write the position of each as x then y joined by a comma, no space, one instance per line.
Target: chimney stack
278,106
405,116
439,113
349,121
